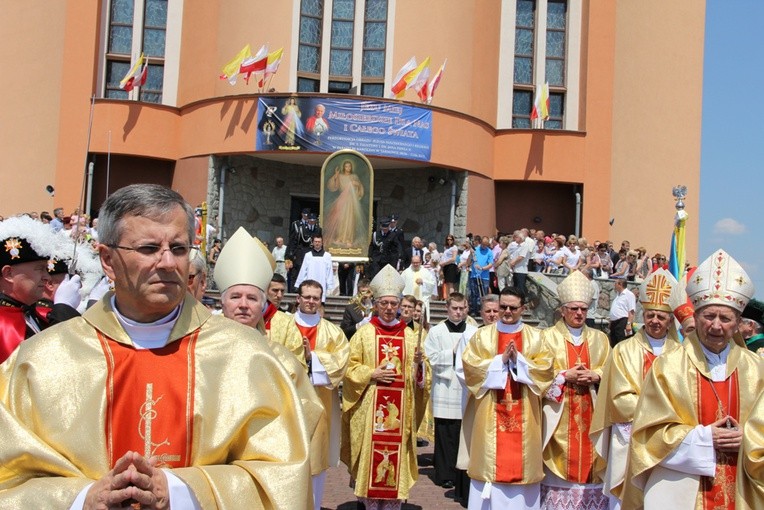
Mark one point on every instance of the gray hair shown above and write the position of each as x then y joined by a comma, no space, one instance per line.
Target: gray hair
197,261
263,297
488,298
149,200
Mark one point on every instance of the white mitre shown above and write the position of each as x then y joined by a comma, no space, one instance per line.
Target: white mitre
387,283
575,288
242,262
720,280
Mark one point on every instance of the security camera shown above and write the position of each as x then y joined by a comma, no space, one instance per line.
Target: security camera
50,190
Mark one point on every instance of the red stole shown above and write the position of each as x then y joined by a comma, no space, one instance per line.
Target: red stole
647,362
509,420
580,407
718,493
150,400
13,330
268,314
309,332
389,408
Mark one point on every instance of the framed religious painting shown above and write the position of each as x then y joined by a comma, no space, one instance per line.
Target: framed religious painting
347,198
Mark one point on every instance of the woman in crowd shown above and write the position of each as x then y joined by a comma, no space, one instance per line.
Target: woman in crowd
555,263
448,264
572,254
465,262
537,257
644,264
606,263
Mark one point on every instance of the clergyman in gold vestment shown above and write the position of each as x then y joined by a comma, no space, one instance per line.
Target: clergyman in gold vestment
695,401
215,421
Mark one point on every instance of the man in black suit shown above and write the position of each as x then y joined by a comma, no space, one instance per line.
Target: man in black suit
358,310
301,234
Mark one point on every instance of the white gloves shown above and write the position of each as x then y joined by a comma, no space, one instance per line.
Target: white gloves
100,289
68,292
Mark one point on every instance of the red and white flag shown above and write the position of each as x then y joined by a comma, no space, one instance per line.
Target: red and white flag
271,65
435,82
254,64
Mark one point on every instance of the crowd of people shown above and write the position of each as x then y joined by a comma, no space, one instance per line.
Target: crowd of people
132,392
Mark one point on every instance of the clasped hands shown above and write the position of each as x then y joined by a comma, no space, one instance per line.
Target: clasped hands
727,434
581,375
134,480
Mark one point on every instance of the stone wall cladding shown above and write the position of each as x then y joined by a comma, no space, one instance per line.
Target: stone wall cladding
258,195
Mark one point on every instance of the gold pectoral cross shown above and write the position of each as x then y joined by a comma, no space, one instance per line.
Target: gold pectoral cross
148,414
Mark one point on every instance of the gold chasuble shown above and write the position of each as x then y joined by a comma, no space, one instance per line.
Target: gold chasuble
214,404
750,473
568,452
331,347
281,329
617,400
380,421
505,429
677,395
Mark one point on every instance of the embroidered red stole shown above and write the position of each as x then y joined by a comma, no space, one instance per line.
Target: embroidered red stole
309,332
13,328
647,362
268,314
389,409
578,398
509,420
150,400
718,492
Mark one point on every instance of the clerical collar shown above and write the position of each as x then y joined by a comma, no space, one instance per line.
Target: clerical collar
503,327
715,359
147,335
388,324
455,327
576,334
656,344
307,320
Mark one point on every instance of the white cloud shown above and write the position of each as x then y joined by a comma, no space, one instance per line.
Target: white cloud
729,226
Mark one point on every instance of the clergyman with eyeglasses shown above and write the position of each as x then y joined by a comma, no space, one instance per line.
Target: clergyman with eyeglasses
384,395
148,399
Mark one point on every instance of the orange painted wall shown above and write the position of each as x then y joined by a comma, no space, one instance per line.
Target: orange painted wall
657,120
32,57
465,32
481,205
190,179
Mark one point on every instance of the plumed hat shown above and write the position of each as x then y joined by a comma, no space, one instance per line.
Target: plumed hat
754,311
387,283
575,288
655,291
242,262
25,240
720,280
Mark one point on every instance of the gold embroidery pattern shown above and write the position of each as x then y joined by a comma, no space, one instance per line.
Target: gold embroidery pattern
148,414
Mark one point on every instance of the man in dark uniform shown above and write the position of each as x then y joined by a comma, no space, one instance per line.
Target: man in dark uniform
395,229
752,326
301,235
385,248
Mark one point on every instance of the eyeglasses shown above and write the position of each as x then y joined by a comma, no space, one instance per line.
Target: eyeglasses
388,304
310,298
510,307
152,250
576,309
407,307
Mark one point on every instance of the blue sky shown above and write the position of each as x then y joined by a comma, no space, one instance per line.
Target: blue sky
732,153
